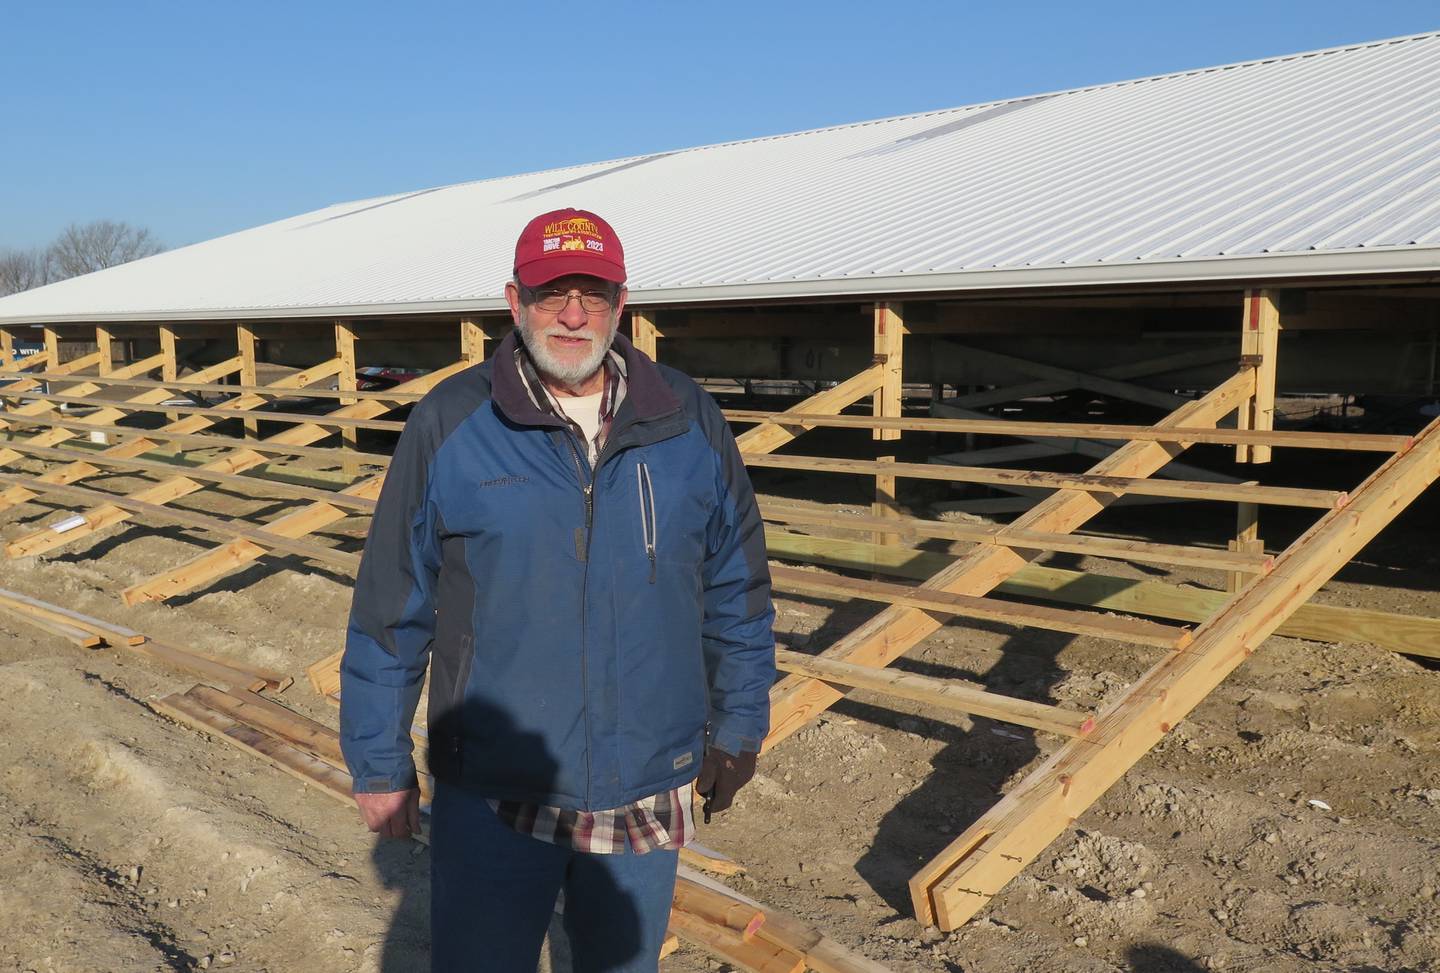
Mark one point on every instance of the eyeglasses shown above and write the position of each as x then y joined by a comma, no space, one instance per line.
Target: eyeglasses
553,300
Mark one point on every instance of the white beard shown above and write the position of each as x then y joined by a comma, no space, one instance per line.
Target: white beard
568,375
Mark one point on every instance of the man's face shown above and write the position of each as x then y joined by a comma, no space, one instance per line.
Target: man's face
567,344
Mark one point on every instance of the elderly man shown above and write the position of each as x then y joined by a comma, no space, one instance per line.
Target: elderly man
568,535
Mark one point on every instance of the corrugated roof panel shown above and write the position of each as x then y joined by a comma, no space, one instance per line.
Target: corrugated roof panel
1324,162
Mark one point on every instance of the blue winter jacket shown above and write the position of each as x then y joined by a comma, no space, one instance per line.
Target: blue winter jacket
588,630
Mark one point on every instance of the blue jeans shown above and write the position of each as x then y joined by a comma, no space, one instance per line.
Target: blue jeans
493,890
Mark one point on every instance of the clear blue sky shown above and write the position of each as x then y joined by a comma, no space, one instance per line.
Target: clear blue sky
199,118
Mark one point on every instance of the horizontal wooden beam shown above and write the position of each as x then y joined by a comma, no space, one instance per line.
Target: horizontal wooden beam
197,441
300,418
1086,482
944,693
1019,539
1409,634
255,483
185,518
1088,430
181,385
970,606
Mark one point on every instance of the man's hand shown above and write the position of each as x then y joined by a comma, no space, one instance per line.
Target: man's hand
393,814
721,775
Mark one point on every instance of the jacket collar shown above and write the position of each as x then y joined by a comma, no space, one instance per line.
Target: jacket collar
647,396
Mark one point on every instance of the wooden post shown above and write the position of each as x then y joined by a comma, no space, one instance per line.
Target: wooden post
1247,541
348,382
889,354
52,347
105,341
1259,342
472,340
247,348
170,368
7,347
643,333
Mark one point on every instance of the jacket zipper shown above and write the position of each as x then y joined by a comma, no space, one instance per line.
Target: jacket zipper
646,490
587,488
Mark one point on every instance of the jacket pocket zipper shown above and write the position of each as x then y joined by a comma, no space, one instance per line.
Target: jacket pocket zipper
646,492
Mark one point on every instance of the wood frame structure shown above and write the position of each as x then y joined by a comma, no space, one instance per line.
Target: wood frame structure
1265,593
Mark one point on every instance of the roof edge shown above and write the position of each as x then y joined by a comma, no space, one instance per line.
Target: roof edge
1297,266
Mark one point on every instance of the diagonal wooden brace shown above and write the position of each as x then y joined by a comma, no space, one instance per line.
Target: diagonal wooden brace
964,877
795,701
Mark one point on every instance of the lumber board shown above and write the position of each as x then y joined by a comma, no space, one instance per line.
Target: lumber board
945,693
324,675
821,953
970,606
963,878
297,763
1260,338
254,710
756,956
1409,634
795,700
698,856
187,385
240,551
770,436
260,484
1028,429
185,518
76,636
153,436
1093,483
134,447
1115,548
711,906
19,390
294,418
241,459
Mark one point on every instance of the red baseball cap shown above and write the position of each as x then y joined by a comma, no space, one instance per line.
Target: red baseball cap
568,241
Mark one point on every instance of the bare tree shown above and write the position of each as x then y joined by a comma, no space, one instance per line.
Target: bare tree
21,270
82,249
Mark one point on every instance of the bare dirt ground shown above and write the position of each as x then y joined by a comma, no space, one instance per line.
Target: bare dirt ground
135,844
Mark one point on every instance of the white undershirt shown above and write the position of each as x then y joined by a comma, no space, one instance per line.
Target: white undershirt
585,410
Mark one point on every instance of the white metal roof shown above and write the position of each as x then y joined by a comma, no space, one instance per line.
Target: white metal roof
1310,164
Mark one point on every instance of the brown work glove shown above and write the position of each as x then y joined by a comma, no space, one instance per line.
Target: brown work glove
721,775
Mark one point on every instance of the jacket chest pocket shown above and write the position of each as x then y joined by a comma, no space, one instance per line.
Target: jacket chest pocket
668,512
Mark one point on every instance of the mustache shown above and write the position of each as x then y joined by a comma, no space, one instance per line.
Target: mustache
560,331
